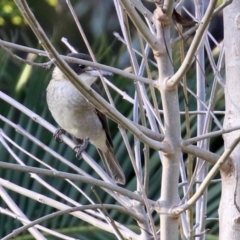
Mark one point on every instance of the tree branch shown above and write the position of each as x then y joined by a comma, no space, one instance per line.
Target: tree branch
141,26
86,90
70,210
61,206
209,135
75,177
219,164
203,154
173,81
80,61
43,229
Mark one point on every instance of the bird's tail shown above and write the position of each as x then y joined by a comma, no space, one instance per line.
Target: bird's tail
111,165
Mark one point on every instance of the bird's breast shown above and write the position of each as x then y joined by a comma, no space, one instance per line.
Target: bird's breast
72,111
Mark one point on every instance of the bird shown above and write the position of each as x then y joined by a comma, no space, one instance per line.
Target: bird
77,116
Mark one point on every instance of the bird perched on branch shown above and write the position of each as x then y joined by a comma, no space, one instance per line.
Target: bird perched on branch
76,115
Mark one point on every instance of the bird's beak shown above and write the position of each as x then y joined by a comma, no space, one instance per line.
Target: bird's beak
95,72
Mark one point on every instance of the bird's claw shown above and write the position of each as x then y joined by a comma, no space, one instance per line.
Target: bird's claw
58,135
81,147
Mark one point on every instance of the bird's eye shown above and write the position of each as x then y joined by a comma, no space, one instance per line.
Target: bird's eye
82,66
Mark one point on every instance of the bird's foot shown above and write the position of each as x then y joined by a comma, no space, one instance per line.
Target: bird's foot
81,147
58,135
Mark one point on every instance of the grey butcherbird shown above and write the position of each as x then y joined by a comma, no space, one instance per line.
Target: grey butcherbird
79,117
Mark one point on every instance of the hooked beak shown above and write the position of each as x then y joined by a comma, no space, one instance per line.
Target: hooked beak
95,72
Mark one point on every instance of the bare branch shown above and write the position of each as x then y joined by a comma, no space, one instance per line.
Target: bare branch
176,78
44,229
89,49
209,135
141,26
168,7
18,231
11,204
46,65
219,164
201,153
80,61
75,177
86,90
61,206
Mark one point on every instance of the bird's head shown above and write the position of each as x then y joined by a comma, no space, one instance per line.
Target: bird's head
86,73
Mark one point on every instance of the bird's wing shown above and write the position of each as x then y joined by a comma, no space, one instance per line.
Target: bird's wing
102,117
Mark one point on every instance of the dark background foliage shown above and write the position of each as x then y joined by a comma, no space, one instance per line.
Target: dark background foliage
27,85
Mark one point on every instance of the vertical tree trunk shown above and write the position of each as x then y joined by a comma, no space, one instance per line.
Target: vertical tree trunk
229,210
170,162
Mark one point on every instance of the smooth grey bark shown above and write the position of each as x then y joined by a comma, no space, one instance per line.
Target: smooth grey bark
170,162
229,210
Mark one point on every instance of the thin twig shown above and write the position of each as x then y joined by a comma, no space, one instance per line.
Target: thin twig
43,229
62,212
224,157
176,78
89,49
209,135
75,177
46,65
80,61
108,217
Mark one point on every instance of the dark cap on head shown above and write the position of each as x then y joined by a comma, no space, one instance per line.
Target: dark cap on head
76,67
